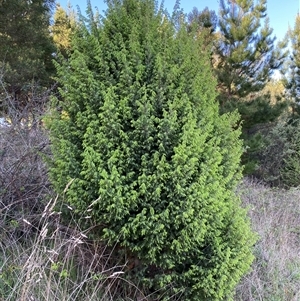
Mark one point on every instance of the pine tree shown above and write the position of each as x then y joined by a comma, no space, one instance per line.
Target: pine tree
244,62
64,23
147,155
25,49
205,22
246,53
292,76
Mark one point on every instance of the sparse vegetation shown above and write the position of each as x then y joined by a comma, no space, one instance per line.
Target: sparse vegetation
275,217
56,262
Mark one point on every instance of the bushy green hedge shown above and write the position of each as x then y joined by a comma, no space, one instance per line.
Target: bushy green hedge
141,137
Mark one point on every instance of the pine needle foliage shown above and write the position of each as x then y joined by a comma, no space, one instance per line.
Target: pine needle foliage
246,52
292,72
245,59
150,157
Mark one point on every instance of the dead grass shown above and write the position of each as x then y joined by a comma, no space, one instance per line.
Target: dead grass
60,263
24,185
275,216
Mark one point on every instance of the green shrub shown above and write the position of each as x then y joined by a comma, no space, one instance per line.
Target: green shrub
150,157
291,163
280,165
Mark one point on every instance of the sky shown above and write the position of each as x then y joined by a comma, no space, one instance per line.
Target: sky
282,13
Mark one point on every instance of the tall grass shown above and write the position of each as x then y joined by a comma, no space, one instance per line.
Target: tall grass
59,263
275,216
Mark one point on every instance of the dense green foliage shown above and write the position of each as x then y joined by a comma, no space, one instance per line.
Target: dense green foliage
153,163
26,50
149,164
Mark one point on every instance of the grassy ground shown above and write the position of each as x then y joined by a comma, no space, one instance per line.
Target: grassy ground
275,216
55,263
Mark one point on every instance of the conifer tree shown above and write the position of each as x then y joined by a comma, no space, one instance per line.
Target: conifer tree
26,49
64,23
147,153
205,22
292,76
245,60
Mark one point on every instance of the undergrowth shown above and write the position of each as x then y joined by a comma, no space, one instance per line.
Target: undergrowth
275,216
56,262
